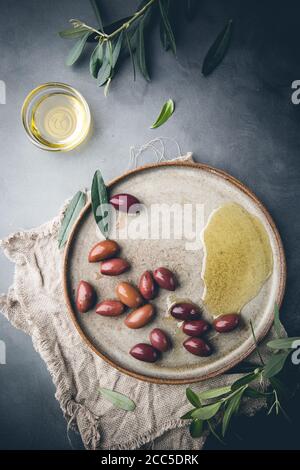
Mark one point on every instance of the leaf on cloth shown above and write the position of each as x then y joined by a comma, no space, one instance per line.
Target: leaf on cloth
118,399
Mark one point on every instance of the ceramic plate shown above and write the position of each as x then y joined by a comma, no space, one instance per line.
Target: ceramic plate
109,338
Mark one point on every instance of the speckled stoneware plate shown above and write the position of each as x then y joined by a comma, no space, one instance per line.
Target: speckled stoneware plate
109,338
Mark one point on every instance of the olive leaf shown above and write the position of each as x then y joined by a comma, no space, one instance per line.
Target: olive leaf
166,112
162,30
73,33
275,364
188,415
96,60
163,8
140,51
283,343
104,71
193,398
218,50
118,399
96,8
207,412
232,407
129,47
73,210
100,203
277,323
196,428
244,380
253,393
117,49
77,49
214,393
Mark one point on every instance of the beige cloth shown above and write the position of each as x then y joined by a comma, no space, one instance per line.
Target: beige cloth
35,304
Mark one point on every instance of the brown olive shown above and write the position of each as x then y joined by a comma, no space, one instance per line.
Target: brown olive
103,250
165,278
226,323
125,202
110,308
128,295
195,327
114,266
139,317
85,297
185,311
159,340
147,285
144,352
197,346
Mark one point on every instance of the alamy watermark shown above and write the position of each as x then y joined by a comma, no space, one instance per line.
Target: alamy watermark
2,92
2,352
159,221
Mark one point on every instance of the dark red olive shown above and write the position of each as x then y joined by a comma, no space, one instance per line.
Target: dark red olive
85,297
125,202
195,327
197,346
114,266
226,323
185,311
165,278
159,340
144,352
147,286
110,308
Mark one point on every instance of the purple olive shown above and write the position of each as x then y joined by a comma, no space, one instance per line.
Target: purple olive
124,202
197,346
144,352
159,340
185,311
195,327
85,297
165,278
226,323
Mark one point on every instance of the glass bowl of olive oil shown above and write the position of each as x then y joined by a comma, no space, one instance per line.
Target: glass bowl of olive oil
56,117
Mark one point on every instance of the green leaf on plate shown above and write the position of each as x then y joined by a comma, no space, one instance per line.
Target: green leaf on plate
166,112
72,212
284,343
77,49
214,393
207,412
96,60
196,428
118,399
275,364
218,50
193,398
100,203
163,8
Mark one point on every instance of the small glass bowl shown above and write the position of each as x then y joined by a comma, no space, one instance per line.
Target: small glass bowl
55,144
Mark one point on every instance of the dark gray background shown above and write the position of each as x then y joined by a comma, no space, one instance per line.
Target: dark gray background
239,119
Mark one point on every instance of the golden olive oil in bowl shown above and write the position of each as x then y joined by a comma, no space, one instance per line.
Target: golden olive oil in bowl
56,117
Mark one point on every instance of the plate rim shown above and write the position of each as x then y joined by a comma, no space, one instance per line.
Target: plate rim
282,275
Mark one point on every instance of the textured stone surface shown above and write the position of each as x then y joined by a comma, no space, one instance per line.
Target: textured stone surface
239,119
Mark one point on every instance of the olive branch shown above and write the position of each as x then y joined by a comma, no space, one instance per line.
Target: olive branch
214,408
